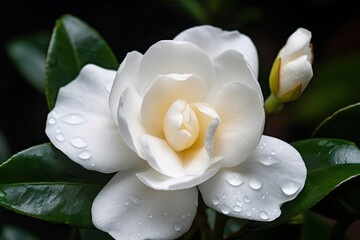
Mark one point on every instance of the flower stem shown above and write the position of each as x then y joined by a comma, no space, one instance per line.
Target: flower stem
272,105
220,223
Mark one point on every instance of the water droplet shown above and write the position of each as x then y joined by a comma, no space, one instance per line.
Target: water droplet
138,234
273,152
60,137
150,216
177,227
246,199
183,216
263,215
290,188
248,213
235,179
261,147
188,214
195,202
237,208
267,161
216,200
51,120
126,203
73,119
239,203
264,143
225,209
255,183
85,155
92,164
78,142
134,199
224,196
263,196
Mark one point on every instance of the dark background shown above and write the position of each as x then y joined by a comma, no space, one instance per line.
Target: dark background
136,25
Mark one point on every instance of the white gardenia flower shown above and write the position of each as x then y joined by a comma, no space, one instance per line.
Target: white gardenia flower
292,68
184,117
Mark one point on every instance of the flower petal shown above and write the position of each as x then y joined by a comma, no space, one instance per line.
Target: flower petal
242,116
129,122
215,41
297,44
128,209
81,117
165,90
127,75
293,73
231,66
166,57
162,157
156,180
275,173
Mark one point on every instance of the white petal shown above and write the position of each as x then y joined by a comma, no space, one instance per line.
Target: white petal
293,73
215,41
199,157
242,115
297,44
162,157
81,126
158,181
127,75
165,90
128,209
167,57
231,66
275,173
129,120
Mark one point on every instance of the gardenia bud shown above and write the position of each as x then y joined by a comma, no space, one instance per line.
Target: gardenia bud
292,69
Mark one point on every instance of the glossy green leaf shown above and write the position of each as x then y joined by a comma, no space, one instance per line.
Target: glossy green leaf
343,124
42,182
73,44
28,55
329,163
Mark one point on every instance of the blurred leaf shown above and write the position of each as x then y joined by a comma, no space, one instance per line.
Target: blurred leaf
14,233
4,148
335,85
342,204
329,163
73,44
193,8
343,124
42,182
94,234
316,227
28,56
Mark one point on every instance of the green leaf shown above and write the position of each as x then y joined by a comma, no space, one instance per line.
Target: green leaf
13,233
42,182
335,85
94,234
329,163
4,148
343,124
73,44
316,227
28,55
